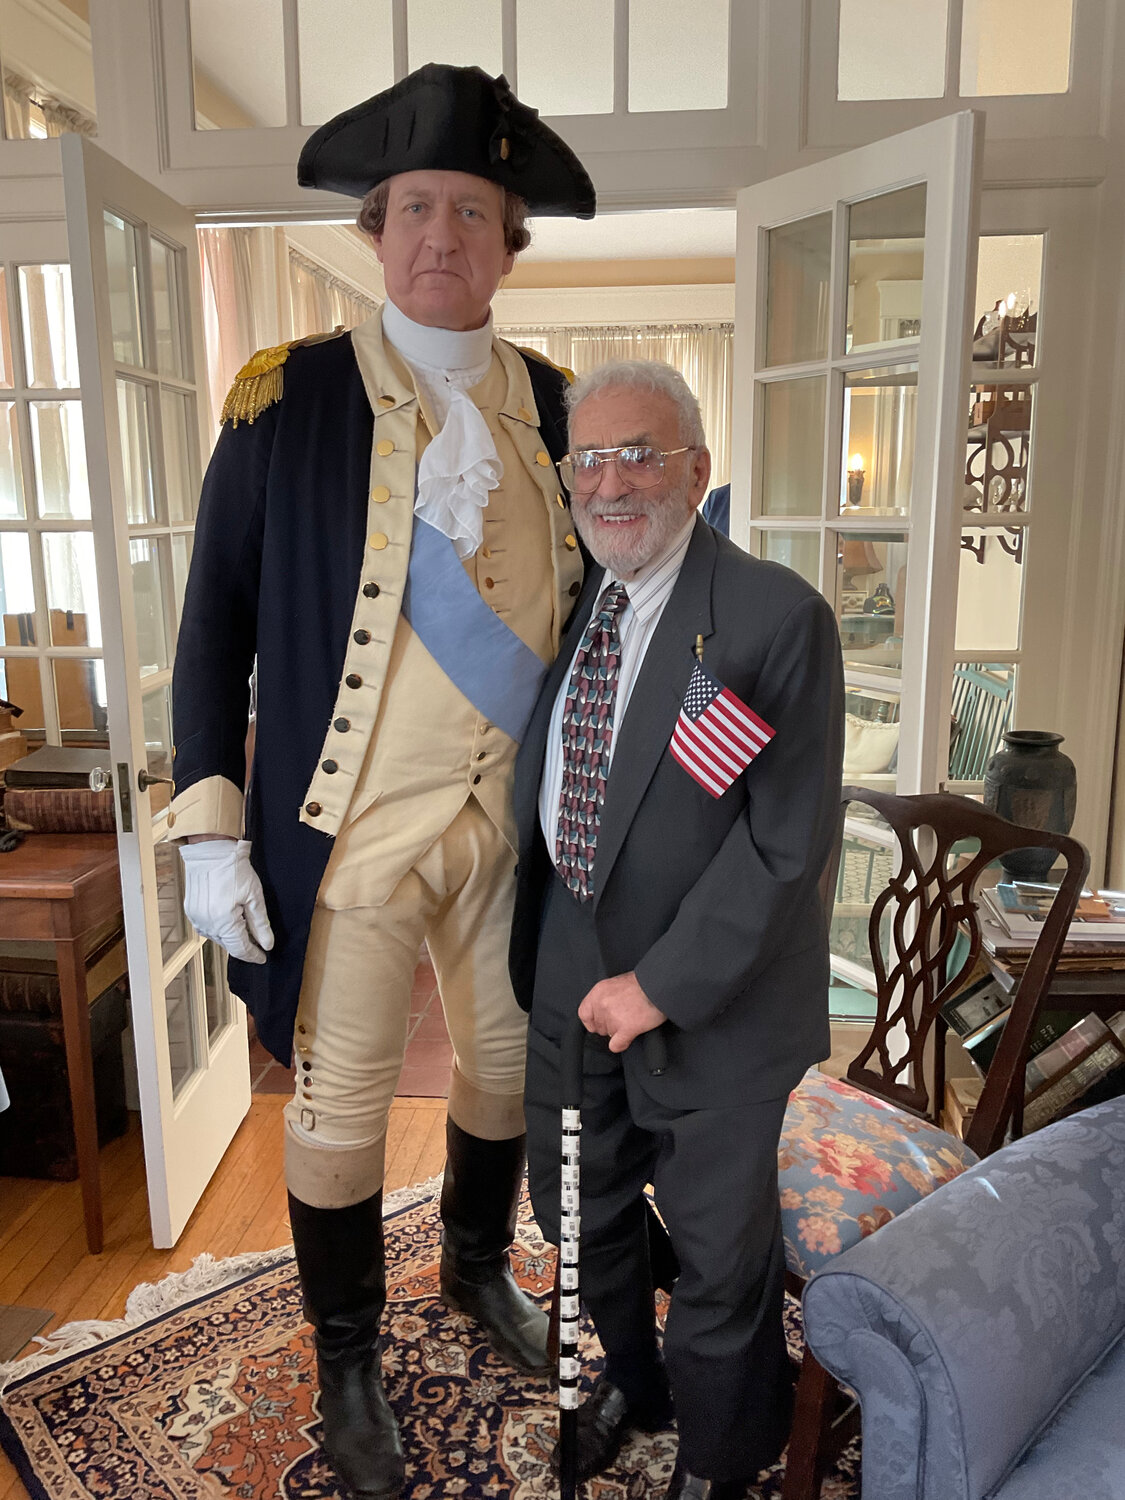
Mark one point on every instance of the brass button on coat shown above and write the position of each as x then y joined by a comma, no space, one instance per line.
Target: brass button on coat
314,810
559,501
380,494
353,680
490,583
329,766
371,591
384,447
386,402
569,543
542,459
486,551
361,637
343,725
378,540
524,415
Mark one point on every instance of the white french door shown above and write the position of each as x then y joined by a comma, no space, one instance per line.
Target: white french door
137,312
853,316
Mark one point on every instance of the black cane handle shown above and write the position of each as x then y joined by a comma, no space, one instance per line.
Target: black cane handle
656,1051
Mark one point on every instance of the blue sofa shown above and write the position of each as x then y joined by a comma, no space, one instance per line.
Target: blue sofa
984,1330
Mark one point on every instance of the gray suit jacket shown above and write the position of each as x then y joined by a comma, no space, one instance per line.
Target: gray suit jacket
713,901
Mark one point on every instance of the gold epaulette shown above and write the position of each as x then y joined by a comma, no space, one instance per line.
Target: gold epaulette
259,383
543,360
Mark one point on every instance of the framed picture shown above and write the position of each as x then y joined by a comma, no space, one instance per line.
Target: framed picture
975,1005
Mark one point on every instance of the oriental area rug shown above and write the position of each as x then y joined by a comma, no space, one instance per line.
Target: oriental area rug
205,1390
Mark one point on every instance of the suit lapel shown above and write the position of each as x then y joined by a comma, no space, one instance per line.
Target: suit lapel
655,701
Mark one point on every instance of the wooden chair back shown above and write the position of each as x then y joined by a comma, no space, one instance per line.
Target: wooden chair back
929,900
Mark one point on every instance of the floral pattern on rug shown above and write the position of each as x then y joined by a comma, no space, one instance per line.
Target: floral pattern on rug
216,1399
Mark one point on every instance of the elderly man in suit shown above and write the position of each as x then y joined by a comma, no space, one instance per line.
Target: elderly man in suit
383,530
676,796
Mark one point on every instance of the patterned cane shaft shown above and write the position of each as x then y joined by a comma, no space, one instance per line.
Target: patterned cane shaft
570,1223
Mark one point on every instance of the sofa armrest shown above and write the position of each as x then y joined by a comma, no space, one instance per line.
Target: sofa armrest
966,1322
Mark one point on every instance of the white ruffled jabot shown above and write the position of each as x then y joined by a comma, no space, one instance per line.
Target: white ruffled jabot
461,465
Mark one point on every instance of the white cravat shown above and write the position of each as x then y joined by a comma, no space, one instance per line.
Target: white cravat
461,465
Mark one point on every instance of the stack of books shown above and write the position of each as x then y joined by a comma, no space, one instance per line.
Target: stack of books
49,791
1070,1065
1079,1068
1012,914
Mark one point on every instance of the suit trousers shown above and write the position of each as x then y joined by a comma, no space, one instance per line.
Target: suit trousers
354,1013
714,1176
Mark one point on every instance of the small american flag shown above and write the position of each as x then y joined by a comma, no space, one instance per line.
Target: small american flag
716,736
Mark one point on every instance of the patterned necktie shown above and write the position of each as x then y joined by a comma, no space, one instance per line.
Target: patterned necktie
587,730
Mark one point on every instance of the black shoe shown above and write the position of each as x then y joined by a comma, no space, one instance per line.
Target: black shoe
687,1486
344,1284
604,1420
478,1214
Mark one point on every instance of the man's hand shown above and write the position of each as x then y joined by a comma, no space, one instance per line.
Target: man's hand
223,897
619,1009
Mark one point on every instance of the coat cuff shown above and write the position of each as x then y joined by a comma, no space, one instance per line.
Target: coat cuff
213,805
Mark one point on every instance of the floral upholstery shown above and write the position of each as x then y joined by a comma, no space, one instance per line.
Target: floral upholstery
849,1163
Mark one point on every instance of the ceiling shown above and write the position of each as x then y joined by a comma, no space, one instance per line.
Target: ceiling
655,234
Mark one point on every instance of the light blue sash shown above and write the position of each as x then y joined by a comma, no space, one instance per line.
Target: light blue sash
481,655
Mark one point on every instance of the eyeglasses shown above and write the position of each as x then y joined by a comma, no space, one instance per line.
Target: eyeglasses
639,466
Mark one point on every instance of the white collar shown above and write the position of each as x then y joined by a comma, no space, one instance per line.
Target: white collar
652,584
444,349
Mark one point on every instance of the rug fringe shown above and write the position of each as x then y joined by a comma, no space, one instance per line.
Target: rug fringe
152,1300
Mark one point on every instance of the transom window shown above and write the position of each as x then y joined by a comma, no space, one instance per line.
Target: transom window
263,64
932,49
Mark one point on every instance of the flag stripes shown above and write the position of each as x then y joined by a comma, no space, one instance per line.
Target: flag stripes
716,735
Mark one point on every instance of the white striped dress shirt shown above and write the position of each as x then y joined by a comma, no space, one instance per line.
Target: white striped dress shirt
648,593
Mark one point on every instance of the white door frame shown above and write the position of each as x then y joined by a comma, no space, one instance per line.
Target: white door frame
946,156
186,1130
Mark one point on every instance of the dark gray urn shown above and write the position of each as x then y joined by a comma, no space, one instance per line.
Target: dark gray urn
1031,782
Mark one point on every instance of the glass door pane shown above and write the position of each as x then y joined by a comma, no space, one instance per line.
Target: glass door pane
856,462
792,480
798,265
886,265
135,264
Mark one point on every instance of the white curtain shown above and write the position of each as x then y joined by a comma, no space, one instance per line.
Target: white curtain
259,292
702,352
20,94
321,301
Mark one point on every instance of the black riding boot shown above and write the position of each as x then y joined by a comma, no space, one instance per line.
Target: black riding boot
478,1215
344,1282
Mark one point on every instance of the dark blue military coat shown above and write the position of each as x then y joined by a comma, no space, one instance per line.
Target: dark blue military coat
275,571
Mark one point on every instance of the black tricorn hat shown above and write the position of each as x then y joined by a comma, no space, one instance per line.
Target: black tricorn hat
455,120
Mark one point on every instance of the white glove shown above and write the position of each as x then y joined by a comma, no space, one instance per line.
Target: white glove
223,897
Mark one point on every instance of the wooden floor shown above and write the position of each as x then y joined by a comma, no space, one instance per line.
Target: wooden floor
43,1259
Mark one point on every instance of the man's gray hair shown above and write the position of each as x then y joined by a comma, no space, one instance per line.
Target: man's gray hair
652,377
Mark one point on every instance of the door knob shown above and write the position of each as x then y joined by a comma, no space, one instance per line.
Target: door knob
99,779
144,780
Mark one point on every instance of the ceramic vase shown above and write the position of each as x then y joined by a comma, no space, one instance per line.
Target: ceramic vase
1031,782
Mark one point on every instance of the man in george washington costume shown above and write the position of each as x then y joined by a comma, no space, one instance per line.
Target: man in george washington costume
382,528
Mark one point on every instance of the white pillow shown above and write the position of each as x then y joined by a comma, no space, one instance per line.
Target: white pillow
869,747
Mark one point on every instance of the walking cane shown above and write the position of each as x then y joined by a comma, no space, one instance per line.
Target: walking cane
573,1051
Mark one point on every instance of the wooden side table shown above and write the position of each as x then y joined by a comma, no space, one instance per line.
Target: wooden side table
57,888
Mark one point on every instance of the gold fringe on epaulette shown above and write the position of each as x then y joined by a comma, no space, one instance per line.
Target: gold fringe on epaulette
257,385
